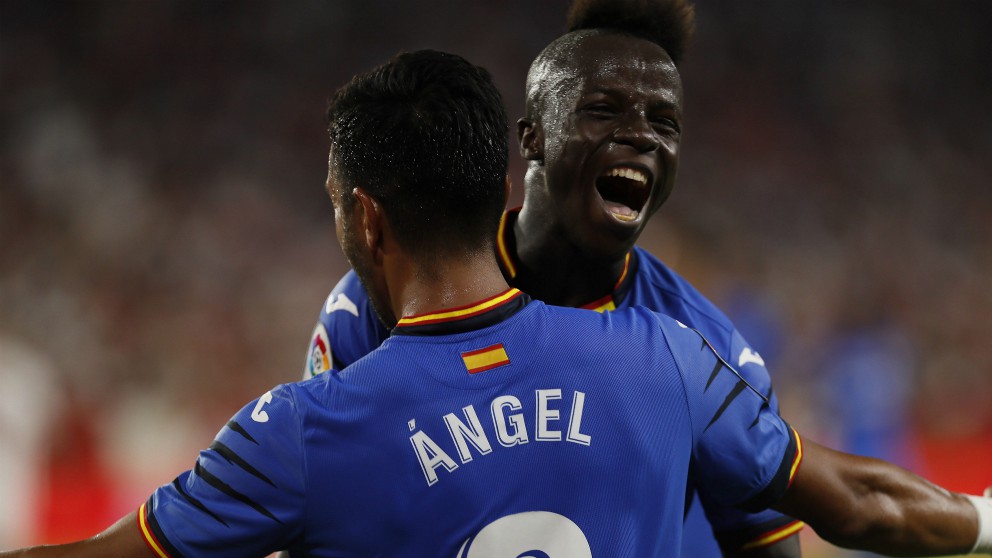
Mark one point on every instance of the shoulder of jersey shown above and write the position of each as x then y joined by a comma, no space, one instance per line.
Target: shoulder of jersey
348,295
342,303
737,350
664,279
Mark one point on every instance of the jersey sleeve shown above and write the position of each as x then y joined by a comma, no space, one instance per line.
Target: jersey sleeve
347,329
736,529
245,496
744,453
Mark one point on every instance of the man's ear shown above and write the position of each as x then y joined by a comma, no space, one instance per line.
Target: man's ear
371,221
530,138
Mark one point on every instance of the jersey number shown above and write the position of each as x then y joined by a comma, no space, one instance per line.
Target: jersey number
534,534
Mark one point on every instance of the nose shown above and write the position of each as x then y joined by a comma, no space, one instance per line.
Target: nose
636,131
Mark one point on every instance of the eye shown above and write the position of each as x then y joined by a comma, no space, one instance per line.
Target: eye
666,125
599,110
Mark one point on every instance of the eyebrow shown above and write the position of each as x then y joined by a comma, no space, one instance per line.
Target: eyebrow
665,103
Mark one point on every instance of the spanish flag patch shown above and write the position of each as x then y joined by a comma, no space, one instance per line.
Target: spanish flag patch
485,358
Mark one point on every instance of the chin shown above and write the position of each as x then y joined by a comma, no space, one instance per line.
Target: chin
609,246
608,232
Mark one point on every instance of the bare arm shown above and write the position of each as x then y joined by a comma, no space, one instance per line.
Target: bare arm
869,504
122,540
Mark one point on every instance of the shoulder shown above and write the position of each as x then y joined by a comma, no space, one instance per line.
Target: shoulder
280,404
665,279
634,330
679,299
347,328
661,289
347,296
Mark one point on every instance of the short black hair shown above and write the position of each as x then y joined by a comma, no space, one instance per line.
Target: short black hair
425,134
667,23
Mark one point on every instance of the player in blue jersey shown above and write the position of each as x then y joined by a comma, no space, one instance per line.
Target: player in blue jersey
602,141
489,425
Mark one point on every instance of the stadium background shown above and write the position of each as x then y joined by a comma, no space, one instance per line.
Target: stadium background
165,241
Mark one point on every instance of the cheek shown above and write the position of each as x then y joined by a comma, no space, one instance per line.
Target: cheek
573,146
671,161
344,229
339,227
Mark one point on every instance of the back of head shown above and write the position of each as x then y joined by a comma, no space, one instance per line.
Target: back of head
667,23
425,134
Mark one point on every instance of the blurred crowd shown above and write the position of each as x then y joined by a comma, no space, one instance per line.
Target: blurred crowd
165,241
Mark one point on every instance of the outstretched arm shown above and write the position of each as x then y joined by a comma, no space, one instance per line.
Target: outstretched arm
866,503
850,501
122,540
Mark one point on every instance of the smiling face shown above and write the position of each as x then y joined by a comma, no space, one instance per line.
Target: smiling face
607,130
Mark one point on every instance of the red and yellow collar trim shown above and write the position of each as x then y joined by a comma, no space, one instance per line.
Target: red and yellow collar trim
463,318
503,250
460,312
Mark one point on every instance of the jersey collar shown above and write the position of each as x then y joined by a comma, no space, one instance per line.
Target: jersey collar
506,252
470,317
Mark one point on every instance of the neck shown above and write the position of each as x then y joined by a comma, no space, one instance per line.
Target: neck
446,283
557,271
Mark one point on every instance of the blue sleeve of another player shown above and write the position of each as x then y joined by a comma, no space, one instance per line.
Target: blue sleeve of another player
744,454
246,494
736,529
347,329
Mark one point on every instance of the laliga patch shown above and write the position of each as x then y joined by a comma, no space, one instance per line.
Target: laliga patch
319,359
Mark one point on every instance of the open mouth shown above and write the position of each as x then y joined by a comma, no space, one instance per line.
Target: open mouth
625,191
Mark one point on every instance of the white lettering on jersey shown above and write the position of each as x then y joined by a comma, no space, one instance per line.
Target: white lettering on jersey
575,421
511,430
463,434
502,422
340,302
258,415
528,535
747,355
431,456
546,415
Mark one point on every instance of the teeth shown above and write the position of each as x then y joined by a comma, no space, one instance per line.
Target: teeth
630,217
628,173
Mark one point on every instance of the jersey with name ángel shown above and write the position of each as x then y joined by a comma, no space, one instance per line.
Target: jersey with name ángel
348,329
491,430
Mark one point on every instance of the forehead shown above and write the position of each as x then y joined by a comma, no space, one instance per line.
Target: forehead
620,64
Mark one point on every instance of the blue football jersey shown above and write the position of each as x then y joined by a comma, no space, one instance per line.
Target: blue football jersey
491,430
348,329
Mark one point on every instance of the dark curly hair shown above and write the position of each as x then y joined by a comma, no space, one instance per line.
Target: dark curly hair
425,134
668,23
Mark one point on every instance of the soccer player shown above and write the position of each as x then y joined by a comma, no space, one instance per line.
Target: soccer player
601,134
490,425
